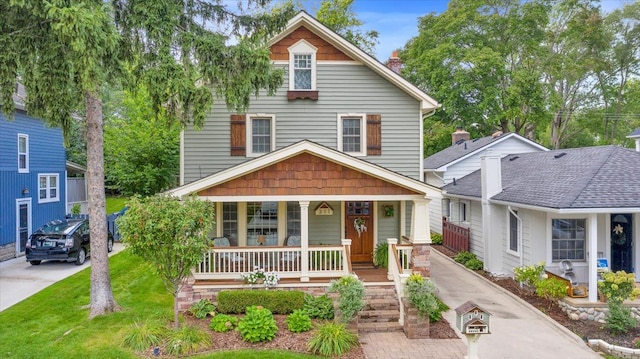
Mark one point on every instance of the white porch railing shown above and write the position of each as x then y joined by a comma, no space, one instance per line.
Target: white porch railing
229,262
399,269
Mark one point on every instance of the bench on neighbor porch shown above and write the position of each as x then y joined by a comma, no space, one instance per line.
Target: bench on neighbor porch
573,291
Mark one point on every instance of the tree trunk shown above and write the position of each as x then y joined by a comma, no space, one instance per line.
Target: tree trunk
102,300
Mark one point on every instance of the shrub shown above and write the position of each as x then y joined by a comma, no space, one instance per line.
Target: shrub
436,238
618,286
529,275
421,294
187,339
320,307
222,323
381,255
474,264
142,336
464,256
202,308
277,301
551,289
298,321
332,339
257,325
619,320
436,315
351,290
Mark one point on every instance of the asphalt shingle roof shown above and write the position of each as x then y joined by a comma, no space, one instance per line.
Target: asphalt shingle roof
635,133
589,177
453,152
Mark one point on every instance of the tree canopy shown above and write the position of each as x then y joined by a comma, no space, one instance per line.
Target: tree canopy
339,16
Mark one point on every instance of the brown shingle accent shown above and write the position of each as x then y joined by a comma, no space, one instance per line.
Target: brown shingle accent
305,174
326,51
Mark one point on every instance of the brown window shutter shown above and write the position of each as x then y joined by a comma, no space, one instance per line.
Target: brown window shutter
374,135
238,135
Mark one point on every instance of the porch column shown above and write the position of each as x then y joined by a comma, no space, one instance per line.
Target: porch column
592,230
304,242
421,238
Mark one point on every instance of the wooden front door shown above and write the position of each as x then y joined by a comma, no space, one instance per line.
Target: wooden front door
359,228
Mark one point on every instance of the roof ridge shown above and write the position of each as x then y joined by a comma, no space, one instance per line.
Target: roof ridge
580,186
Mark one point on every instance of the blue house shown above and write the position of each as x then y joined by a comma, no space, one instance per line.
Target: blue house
32,179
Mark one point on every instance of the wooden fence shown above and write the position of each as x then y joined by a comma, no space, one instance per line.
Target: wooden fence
455,237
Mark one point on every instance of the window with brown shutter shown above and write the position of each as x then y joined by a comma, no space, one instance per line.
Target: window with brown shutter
238,135
374,135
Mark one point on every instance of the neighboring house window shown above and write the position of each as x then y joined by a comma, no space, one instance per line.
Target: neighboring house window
23,153
260,134
514,230
293,219
48,188
462,214
568,239
230,222
302,70
262,223
352,134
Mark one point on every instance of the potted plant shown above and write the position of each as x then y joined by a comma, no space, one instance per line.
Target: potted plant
381,255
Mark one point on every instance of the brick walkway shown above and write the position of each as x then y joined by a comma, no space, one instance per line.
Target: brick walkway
395,345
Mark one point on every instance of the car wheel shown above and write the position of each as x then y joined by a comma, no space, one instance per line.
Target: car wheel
82,256
109,245
35,263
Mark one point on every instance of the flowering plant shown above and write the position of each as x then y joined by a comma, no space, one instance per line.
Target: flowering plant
270,279
618,286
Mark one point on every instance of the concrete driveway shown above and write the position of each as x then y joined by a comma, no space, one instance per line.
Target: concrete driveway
20,280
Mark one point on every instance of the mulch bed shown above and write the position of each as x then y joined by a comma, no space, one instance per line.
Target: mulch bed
585,329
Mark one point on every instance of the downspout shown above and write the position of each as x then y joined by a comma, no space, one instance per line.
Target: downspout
521,250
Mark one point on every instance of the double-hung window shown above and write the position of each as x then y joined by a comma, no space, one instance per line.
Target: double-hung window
352,134
514,232
568,237
260,134
302,70
23,153
48,188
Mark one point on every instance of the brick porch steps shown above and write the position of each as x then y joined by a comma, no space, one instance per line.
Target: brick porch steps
381,311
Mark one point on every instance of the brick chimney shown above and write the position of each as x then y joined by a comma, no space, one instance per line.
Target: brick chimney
460,134
394,63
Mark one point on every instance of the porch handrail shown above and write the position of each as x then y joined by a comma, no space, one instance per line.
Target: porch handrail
397,273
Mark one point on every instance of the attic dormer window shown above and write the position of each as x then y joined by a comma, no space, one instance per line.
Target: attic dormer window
302,71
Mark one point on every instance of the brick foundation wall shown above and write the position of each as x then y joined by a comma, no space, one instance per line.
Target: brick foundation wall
420,259
8,251
415,327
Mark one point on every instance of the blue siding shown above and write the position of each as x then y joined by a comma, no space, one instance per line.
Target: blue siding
46,155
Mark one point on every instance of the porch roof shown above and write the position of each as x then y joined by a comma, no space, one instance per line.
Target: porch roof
361,175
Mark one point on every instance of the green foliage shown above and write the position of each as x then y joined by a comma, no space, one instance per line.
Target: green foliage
169,233
141,336
436,315
320,307
222,323
436,238
257,325
278,301
464,256
202,308
551,289
618,286
381,255
187,339
75,209
332,339
338,15
619,320
529,275
351,290
116,204
421,294
298,321
474,264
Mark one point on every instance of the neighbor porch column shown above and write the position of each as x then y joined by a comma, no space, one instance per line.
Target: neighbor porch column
592,230
421,237
304,243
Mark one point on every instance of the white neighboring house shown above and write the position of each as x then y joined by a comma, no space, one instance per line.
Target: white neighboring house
460,159
580,204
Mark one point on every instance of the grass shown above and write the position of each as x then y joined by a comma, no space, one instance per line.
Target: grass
53,323
115,204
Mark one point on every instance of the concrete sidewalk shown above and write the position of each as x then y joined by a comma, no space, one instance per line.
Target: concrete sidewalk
517,329
20,280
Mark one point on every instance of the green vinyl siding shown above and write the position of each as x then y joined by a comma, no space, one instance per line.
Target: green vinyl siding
325,229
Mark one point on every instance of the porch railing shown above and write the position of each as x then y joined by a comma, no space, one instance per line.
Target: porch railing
455,237
397,271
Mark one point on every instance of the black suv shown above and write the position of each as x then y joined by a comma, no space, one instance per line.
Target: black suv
64,240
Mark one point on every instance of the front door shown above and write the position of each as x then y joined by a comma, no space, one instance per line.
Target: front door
622,242
23,223
359,228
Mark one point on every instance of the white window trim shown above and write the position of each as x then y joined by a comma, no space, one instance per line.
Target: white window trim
302,47
249,133
363,134
550,218
49,199
26,137
519,231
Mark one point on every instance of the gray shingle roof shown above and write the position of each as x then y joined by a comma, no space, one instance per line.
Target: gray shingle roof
589,177
635,133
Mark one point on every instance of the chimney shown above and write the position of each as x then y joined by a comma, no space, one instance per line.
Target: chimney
460,134
394,63
491,175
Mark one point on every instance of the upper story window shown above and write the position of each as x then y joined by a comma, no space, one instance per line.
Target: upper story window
260,134
568,237
352,134
48,187
23,153
302,71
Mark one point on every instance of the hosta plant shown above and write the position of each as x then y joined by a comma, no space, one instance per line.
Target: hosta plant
258,325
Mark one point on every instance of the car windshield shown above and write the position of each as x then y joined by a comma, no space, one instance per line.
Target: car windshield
60,227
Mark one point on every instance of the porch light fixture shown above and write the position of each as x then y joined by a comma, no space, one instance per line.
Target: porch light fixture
25,191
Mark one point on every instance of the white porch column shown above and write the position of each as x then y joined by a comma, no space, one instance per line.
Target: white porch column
592,230
420,228
304,242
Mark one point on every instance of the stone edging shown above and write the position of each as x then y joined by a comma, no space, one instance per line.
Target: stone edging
623,352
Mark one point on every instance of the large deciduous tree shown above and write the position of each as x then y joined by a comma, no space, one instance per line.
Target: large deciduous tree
339,16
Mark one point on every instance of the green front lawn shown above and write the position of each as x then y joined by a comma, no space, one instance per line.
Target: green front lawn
115,204
53,323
